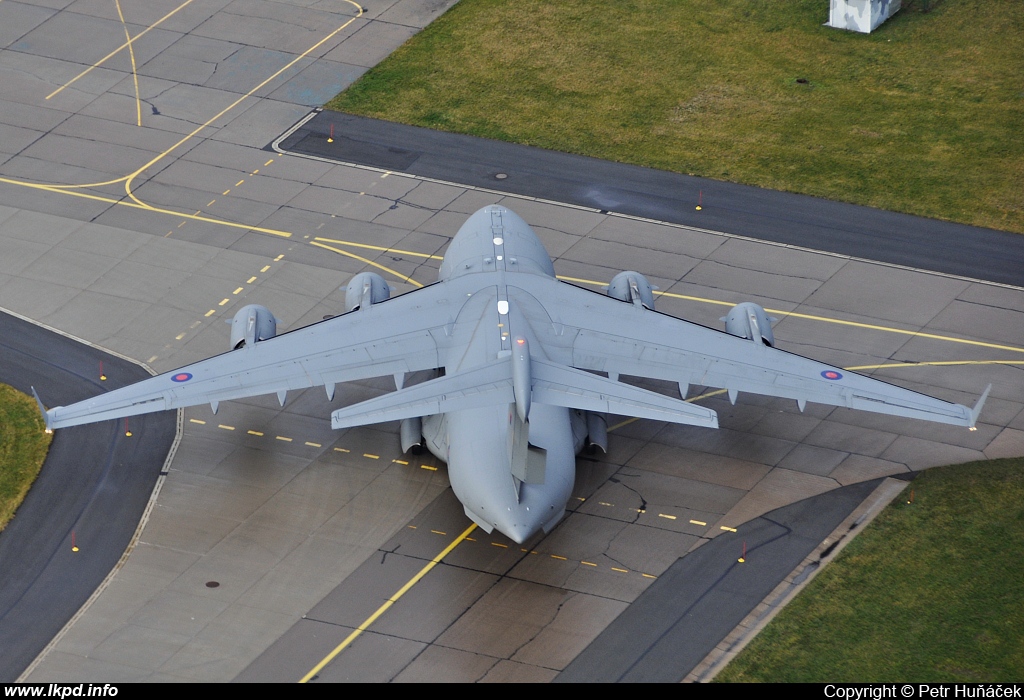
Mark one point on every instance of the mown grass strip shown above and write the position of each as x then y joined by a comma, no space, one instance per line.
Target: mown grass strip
23,446
930,591
922,116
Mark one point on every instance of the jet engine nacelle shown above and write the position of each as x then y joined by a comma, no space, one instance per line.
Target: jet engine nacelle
633,287
748,320
365,289
252,324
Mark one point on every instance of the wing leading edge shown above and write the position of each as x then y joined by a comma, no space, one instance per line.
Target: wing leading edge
356,345
620,338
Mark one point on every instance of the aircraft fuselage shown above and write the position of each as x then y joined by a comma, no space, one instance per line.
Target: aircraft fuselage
498,248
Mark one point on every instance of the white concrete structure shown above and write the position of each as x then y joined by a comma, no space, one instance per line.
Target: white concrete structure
861,15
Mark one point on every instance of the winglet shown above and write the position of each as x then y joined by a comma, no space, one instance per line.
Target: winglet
976,411
42,409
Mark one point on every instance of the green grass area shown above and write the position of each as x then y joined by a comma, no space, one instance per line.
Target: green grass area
23,446
930,591
925,115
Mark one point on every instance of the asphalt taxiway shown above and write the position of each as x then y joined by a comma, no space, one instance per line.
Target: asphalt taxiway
780,217
93,492
144,239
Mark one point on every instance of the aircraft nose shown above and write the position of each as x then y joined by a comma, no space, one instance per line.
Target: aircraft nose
517,533
519,523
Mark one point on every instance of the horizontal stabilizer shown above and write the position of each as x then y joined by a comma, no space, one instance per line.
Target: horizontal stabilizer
475,388
558,385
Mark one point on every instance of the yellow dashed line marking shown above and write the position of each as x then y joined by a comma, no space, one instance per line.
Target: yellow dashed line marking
238,290
210,203
369,456
425,466
211,312
279,257
728,529
399,461
224,192
341,449
196,420
255,171
251,280
621,571
499,544
587,563
283,438
698,522
314,444
555,556
179,336
223,302
268,162
265,268
603,503
470,539
667,517
226,427
648,576
239,182
438,532
256,433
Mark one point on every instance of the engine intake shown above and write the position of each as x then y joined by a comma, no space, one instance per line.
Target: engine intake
748,320
252,324
632,287
365,289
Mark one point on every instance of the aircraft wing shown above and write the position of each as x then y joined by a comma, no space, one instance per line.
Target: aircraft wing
622,338
390,337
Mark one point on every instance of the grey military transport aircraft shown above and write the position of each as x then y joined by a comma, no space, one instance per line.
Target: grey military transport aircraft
523,369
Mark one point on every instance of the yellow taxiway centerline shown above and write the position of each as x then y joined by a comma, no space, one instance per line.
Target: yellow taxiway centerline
121,47
128,179
390,601
824,319
382,249
148,207
367,261
135,72
194,132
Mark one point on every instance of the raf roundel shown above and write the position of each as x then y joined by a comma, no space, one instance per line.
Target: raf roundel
831,374
181,377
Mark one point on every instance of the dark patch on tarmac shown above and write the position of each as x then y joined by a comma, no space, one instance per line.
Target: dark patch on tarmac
680,619
780,217
96,482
